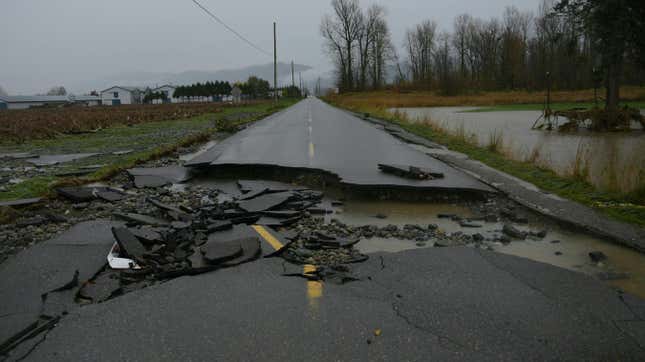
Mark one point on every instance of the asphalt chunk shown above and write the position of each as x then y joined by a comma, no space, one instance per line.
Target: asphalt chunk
265,202
129,244
219,252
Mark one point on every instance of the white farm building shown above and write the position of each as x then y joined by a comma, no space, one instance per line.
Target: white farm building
118,95
25,102
169,91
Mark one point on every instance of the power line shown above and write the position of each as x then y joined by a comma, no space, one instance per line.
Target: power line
231,29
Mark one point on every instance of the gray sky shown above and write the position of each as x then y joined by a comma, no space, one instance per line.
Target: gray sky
64,42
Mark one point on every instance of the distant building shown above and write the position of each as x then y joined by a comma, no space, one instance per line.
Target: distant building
118,95
236,93
169,91
26,102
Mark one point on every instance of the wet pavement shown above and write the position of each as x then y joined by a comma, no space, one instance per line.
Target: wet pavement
315,136
293,272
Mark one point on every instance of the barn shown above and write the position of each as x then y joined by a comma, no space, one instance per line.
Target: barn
118,95
26,102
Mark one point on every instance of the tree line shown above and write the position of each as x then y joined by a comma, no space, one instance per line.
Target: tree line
567,44
207,89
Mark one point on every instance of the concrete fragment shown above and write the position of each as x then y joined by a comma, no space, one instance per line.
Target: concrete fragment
50,160
513,232
141,219
129,245
21,202
219,252
265,202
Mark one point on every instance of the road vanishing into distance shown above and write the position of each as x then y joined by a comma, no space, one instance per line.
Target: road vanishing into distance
314,135
450,303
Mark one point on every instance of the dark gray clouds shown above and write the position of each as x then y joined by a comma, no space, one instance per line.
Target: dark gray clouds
68,42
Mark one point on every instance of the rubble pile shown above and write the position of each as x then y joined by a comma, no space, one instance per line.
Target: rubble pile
163,238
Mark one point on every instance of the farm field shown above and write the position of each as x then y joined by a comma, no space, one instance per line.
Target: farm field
43,123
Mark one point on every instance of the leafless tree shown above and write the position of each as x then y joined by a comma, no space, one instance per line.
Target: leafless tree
420,44
341,32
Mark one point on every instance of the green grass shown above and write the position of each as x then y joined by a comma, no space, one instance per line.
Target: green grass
147,140
626,207
540,106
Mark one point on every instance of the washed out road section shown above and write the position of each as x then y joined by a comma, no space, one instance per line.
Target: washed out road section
313,135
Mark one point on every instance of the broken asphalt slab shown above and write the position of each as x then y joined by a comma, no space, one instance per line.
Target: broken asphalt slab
159,176
265,202
21,202
339,144
49,266
50,160
440,304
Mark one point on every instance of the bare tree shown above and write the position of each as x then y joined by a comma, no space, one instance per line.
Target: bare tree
460,40
341,33
420,44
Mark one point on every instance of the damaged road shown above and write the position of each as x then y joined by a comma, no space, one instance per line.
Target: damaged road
315,136
262,270
449,303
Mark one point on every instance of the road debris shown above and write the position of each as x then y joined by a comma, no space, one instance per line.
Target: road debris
411,172
159,176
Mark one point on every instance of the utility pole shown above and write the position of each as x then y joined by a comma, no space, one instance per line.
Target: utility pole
300,77
275,64
293,80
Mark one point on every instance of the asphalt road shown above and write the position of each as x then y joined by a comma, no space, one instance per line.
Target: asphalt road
316,136
455,303
429,304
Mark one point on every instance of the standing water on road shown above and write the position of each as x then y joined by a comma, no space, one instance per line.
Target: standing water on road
624,268
614,160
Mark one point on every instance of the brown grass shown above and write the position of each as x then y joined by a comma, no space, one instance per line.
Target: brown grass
392,99
41,123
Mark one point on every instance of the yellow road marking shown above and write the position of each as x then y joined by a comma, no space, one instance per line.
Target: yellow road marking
275,243
314,288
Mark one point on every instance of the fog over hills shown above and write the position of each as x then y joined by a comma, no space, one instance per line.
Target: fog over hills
152,79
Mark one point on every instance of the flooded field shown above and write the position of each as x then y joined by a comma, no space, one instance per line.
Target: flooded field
610,160
624,268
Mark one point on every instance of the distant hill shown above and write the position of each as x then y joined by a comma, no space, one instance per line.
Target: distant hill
153,79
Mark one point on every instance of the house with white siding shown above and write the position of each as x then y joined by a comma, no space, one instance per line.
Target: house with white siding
118,95
169,91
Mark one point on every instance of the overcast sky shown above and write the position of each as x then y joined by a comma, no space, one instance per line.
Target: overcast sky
46,43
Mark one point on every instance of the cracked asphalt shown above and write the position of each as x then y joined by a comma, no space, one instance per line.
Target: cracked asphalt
441,304
444,303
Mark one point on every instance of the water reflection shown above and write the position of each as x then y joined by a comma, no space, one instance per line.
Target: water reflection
612,160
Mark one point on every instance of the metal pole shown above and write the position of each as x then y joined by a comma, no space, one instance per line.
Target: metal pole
293,79
275,64
300,77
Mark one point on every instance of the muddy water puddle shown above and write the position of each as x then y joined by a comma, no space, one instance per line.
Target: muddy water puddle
624,268
605,156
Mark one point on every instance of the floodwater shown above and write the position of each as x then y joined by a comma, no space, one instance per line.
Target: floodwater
625,266
612,160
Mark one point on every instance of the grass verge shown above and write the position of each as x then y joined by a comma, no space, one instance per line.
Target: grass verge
626,207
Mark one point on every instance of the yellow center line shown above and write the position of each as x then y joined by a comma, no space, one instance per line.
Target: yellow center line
266,235
314,288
